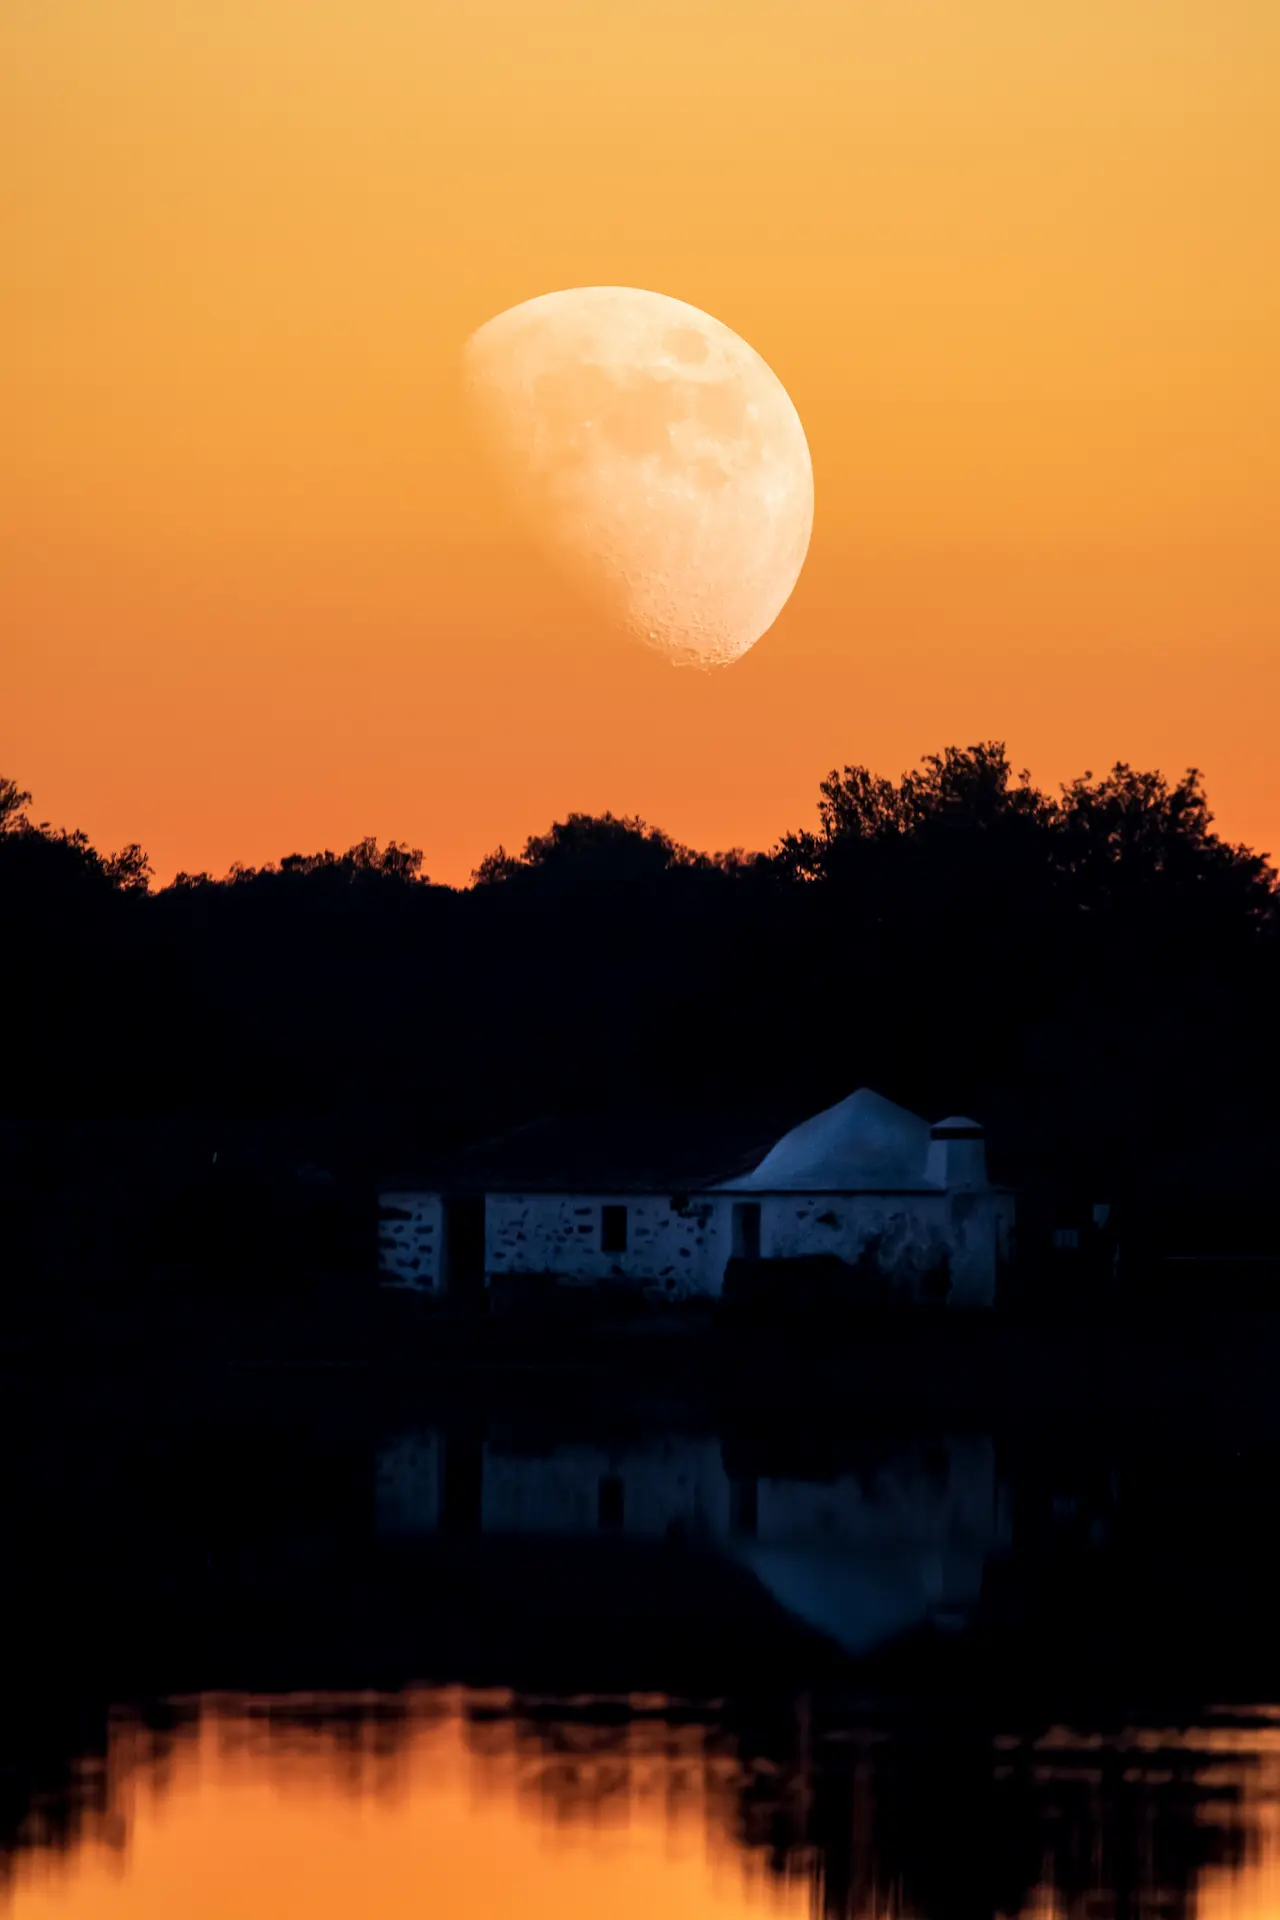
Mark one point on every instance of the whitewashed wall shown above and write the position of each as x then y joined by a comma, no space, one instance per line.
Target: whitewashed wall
907,1233
411,1240
675,1246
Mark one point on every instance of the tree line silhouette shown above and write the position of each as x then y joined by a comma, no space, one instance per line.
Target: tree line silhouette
1093,973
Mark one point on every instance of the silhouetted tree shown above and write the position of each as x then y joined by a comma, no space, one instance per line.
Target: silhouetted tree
589,850
363,861
12,802
1083,970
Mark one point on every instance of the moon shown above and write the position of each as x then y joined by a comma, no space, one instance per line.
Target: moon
656,458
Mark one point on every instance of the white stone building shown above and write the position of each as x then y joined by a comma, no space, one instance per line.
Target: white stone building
866,1182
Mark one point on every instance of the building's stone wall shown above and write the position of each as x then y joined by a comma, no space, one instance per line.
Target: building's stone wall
411,1240
907,1237
677,1246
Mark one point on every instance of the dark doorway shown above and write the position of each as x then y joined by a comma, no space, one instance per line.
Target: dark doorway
464,1248
613,1229
611,1509
462,1484
746,1230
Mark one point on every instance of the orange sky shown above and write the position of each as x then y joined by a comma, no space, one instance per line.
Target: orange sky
1015,265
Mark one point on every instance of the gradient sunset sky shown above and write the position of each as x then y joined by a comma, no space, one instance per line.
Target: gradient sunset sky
1016,265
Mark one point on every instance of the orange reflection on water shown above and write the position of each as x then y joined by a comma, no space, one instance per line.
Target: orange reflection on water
458,1803
249,1811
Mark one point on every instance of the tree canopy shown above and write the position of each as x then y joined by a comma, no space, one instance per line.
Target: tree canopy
1083,969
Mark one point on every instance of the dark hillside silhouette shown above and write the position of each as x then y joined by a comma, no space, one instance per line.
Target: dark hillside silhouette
1095,973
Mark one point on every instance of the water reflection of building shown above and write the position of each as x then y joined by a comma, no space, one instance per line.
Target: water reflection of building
248,1557
860,1555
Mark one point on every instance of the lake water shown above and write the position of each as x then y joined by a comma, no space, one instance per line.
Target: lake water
394,1666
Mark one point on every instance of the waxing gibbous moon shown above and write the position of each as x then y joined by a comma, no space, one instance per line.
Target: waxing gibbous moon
655,456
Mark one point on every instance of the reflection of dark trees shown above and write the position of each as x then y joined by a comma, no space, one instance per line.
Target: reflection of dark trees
927,1816
53,1776
64,1761
965,1832
67,1767
243,1555
359,1742
937,1820
1141,1827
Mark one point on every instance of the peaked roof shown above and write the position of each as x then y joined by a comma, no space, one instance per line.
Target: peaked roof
864,1142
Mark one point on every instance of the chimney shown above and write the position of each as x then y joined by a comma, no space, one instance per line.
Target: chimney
957,1156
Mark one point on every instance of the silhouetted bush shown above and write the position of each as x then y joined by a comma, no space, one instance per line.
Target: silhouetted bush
816,1290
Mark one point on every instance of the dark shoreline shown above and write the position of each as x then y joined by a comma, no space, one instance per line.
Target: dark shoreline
1182,1369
